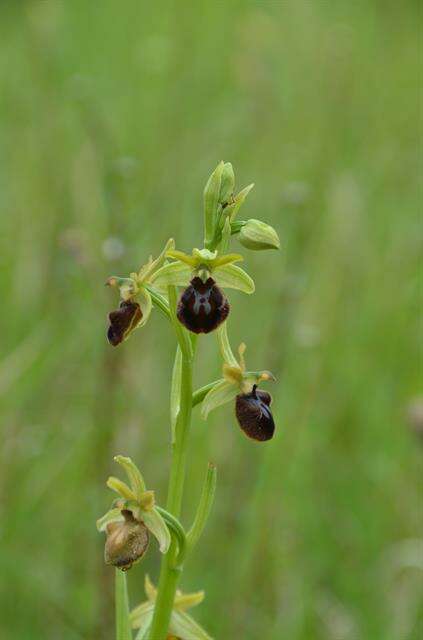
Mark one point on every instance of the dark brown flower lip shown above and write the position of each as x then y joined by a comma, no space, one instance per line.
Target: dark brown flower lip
254,415
202,306
123,321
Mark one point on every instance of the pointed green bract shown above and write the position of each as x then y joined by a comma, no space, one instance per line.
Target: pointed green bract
233,277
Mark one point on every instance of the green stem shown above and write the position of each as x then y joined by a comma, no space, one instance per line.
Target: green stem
123,625
170,568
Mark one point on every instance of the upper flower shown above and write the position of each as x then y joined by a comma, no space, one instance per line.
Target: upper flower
204,264
182,625
136,301
132,516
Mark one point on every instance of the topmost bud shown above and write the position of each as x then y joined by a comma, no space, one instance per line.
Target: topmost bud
211,203
227,184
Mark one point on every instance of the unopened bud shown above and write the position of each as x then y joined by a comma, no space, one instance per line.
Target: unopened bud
126,542
227,184
258,235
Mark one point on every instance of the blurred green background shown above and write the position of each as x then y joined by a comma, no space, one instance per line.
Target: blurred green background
112,116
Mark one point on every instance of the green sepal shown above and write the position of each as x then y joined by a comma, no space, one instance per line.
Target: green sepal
221,394
155,523
113,515
233,277
177,274
183,626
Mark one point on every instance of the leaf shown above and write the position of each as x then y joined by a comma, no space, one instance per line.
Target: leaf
233,277
113,515
176,274
184,626
175,392
222,393
155,523
134,475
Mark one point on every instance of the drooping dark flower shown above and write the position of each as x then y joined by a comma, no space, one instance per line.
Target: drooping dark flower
254,415
123,321
202,307
126,541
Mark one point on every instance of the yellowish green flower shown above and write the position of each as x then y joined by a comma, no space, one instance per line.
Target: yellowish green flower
182,625
136,298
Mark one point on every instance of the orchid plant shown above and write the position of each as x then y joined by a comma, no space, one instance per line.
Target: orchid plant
190,290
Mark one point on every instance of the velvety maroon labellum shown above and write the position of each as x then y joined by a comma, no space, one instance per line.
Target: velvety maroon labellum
254,415
122,321
202,307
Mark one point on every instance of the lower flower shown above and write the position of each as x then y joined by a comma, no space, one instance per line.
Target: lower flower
254,415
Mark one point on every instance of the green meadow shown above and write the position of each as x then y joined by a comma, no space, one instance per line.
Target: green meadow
112,116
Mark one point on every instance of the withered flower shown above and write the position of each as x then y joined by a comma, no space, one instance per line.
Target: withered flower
253,414
126,541
123,321
130,520
202,307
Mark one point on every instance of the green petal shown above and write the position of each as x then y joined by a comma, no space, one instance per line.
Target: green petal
185,627
228,258
175,392
114,515
121,488
233,277
155,523
134,475
176,274
182,257
146,305
222,393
